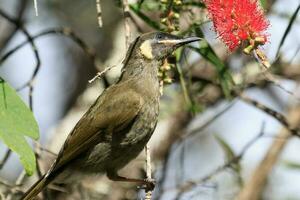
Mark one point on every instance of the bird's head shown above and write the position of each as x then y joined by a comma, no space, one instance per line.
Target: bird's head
151,48
159,45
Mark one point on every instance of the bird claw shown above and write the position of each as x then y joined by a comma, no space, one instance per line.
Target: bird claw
149,184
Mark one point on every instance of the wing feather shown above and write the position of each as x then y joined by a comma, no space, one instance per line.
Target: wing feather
115,108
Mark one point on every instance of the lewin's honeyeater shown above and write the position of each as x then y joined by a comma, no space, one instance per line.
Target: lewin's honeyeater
119,124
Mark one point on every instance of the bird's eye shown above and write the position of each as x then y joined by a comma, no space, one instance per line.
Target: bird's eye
159,36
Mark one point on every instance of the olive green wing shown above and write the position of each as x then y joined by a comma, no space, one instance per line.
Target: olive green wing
116,108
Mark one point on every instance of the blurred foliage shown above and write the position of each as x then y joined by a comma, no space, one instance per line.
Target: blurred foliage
263,3
292,165
231,157
17,121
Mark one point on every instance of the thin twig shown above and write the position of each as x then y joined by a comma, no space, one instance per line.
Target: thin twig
100,74
189,185
126,22
5,158
10,31
99,13
56,31
275,82
278,116
36,8
269,76
67,32
148,195
287,30
179,140
37,152
18,182
20,178
39,146
5,183
203,126
34,49
208,122
255,186
177,143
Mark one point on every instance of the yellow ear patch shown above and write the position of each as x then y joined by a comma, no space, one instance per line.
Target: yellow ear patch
146,49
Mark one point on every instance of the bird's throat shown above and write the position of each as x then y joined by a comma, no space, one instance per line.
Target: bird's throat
140,69
143,75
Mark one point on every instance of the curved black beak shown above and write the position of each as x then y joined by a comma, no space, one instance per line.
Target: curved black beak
188,40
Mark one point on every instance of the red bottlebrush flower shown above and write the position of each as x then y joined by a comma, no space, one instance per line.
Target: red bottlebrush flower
237,21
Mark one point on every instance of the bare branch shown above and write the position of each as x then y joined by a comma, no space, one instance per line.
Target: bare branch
126,22
189,185
36,8
148,195
254,187
5,158
279,117
67,32
34,49
11,32
100,74
99,13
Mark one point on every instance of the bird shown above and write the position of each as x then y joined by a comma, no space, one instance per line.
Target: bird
118,125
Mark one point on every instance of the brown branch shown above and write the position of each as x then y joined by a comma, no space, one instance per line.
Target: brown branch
207,123
101,74
20,26
67,32
5,158
177,137
11,32
36,8
99,13
279,117
180,121
126,22
15,188
56,31
255,186
40,148
148,194
189,185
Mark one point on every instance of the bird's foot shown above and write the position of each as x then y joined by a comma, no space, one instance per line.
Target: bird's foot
149,184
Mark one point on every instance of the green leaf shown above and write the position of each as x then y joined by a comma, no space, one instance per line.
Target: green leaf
17,121
292,165
227,149
145,18
230,155
264,4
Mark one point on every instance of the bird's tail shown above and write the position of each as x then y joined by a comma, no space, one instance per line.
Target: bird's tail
32,192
